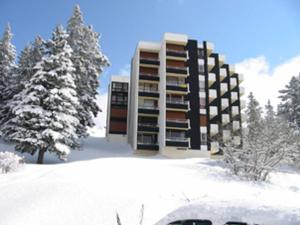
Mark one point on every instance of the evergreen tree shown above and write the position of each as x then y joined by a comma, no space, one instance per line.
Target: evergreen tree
31,54
266,143
89,63
45,118
7,71
290,101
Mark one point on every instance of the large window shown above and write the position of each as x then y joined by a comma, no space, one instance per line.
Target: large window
203,138
147,138
119,99
202,103
175,135
118,86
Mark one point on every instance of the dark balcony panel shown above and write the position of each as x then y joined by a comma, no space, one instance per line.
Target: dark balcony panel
177,70
117,132
177,143
147,127
149,77
177,124
172,53
177,105
153,147
148,94
148,111
149,61
176,88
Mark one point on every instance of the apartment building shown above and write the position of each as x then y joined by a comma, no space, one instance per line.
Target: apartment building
117,108
184,100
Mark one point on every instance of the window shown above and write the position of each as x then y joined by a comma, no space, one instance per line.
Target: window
119,86
200,53
119,98
201,69
147,138
201,86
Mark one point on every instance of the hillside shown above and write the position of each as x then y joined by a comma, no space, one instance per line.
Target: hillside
105,178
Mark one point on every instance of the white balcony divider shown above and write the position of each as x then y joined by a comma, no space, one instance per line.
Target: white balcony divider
224,103
224,88
233,82
226,135
210,62
213,111
221,59
223,73
231,69
234,96
225,119
236,125
212,94
241,77
201,61
235,110
242,91
214,147
210,46
242,103
202,111
203,129
214,129
211,78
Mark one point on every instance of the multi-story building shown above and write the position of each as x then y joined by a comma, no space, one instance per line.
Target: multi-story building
184,100
117,108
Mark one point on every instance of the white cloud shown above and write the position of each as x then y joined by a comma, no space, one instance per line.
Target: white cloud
125,71
263,82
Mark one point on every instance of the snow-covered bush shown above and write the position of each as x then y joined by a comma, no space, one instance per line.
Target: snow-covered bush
9,162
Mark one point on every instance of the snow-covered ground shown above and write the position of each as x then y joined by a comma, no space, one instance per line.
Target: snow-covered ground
106,178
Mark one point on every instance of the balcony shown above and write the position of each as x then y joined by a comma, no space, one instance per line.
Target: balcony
177,86
224,103
242,103
223,88
150,127
177,141
242,91
210,63
223,74
147,146
236,125
241,77
231,69
213,111
149,77
177,104
211,79
182,71
214,129
145,109
221,60
234,96
225,119
173,53
148,92
235,111
151,62
177,123
233,83
212,94
226,135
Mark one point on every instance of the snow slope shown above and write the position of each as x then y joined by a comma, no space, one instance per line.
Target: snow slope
105,178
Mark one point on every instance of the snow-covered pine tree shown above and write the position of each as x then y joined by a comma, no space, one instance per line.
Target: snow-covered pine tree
266,143
290,101
46,116
89,63
7,71
31,54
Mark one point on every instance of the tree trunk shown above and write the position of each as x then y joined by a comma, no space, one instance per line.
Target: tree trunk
41,156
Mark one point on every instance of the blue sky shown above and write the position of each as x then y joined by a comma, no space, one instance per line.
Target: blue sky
240,29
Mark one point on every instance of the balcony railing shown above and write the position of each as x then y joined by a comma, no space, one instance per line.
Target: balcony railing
178,70
176,53
149,61
149,76
176,101
177,139
147,107
177,120
147,125
149,90
119,89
